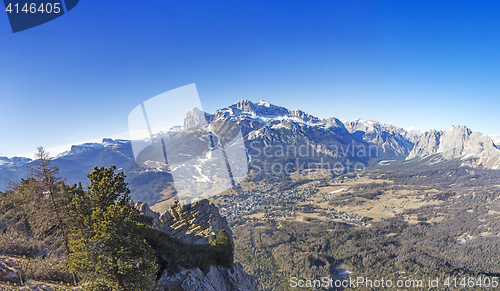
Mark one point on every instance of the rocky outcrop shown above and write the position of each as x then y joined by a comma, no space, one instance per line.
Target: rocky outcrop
194,223
195,118
217,279
458,142
412,134
427,145
496,140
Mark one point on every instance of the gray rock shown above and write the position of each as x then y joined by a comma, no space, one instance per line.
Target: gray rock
194,223
217,279
458,142
427,145
496,140
191,223
146,211
393,142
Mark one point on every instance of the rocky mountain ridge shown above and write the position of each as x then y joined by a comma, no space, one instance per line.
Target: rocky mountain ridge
458,142
394,142
264,126
194,223
267,124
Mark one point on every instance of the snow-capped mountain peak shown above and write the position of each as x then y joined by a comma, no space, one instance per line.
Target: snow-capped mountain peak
93,146
365,121
264,103
261,108
14,161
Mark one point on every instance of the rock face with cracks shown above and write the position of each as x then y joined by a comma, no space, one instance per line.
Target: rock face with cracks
194,223
191,223
458,142
217,279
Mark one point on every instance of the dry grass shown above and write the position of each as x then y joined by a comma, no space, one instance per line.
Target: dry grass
28,283
387,205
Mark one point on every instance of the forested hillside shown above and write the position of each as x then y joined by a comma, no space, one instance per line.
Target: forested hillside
453,231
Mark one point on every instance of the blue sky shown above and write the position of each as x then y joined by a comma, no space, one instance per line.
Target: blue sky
423,64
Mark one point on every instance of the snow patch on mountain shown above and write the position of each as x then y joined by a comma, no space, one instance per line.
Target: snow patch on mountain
92,146
264,103
414,130
14,162
264,112
366,122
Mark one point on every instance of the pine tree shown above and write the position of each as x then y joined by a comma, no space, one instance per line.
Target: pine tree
107,238
224,245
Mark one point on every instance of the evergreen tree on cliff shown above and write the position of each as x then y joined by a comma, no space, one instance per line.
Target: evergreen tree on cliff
224,245
107,239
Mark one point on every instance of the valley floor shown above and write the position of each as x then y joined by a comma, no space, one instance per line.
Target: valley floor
415,223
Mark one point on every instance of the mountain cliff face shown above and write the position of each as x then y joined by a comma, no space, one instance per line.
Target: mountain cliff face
254,116
496,140
394,142
195,118
194,223
427,145
458,142
274,128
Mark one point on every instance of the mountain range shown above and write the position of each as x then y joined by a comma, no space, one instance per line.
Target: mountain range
272,134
